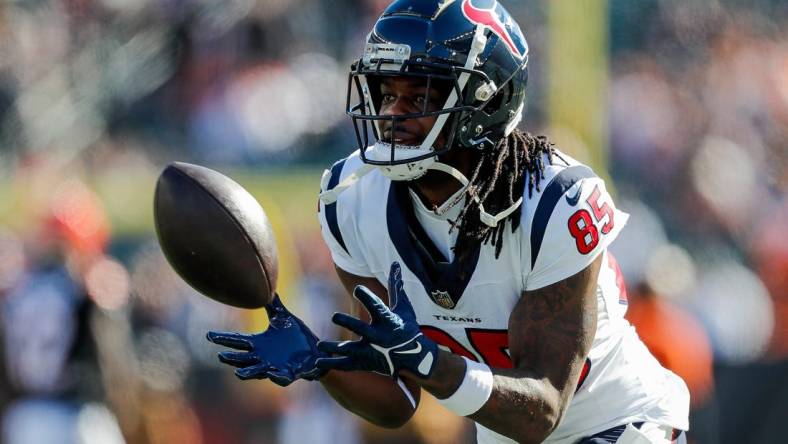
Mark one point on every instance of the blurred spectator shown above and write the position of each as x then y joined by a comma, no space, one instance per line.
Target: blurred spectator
680,344
675,338
49,350
770,254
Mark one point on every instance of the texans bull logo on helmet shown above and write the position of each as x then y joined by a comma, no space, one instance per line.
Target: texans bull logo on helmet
488,14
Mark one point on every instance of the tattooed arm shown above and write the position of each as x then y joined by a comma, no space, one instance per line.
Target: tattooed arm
550,333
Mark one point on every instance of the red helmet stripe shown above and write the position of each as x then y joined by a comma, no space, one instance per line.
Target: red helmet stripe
489,18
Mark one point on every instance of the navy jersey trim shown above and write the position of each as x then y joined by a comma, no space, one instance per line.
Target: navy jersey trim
552,194
609,436
439,277
331,209
420,236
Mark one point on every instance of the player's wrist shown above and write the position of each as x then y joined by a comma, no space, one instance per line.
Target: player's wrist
446,376
423,364
473,391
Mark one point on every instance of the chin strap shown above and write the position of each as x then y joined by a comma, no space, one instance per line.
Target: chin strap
457,196
330,196
486,218
492,221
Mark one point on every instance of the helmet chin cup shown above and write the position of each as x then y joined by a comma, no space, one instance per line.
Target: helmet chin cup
405,172
400,169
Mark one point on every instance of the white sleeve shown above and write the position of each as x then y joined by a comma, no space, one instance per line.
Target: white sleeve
573,223
337,231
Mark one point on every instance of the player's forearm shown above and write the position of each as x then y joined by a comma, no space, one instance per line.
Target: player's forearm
550,335
523,405
376,398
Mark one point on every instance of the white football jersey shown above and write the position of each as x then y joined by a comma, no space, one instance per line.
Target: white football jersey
565,224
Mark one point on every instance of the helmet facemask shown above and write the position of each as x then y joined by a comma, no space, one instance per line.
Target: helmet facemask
408,162
405,144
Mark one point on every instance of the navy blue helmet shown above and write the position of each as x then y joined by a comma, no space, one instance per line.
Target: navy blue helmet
472,50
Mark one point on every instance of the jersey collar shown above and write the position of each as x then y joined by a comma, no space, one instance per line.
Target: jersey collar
444,281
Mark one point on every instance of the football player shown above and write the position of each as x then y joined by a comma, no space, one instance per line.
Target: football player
478,253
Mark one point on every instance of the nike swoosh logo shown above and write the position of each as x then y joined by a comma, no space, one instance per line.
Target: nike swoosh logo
414,351
573,200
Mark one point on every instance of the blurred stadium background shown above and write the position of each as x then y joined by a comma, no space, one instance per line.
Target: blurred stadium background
683,104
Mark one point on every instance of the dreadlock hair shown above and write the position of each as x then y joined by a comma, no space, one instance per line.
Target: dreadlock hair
497,182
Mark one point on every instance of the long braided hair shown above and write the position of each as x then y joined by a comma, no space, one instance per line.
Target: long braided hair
497,182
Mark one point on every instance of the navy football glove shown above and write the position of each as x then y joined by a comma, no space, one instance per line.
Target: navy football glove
283,353
390,343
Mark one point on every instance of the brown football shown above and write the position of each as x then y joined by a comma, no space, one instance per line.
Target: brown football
215,235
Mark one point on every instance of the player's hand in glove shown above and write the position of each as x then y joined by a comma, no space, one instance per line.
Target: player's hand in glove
390,343
285,352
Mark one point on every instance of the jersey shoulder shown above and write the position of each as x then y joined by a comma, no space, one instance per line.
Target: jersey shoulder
561,174
350,190
350,180
567,221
